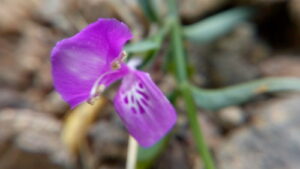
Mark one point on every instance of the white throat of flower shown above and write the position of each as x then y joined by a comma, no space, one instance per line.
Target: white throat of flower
134,63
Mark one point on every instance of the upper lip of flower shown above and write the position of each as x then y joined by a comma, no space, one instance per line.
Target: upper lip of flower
78,61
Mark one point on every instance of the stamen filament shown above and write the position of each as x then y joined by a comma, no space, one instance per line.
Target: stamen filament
97,88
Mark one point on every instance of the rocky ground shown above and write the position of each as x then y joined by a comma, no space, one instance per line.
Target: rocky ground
262,133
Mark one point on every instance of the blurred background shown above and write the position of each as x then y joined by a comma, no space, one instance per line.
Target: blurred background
262,133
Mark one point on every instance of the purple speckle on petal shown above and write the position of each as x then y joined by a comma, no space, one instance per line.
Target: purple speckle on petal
144,102
144,95
141,109
126,99
133,110
141,85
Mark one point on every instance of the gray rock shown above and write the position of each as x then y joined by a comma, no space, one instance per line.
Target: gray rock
31,140
12,98
282,65
231,116
175,157
234,57
273,142
109,141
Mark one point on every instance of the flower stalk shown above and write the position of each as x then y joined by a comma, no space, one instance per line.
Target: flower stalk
131,153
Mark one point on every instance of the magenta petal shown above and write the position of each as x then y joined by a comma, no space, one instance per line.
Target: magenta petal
78,61
143,108
107,78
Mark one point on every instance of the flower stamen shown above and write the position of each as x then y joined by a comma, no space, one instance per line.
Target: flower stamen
117,63
123,56
95,93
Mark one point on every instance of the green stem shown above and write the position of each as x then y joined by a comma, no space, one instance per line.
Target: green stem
177,45
158,38
196,127
149,10
182,78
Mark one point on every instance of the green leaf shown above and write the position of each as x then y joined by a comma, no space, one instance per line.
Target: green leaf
151,43
146,156
147,7
148,58
216,26
142,46
233,95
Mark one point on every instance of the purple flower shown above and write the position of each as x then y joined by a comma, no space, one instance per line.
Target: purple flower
84,65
